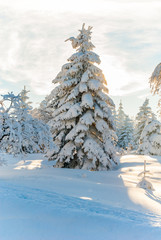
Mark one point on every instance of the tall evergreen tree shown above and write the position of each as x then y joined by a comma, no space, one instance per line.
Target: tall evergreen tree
82,123
142,117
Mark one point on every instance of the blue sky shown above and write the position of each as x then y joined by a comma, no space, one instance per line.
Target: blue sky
127,36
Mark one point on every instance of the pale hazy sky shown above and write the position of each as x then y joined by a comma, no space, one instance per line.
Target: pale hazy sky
126,34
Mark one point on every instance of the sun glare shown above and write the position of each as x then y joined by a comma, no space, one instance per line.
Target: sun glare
29,164
119,79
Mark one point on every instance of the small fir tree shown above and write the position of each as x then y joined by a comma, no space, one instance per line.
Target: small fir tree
150,141
82,122
120,116
125,139
114,114
25,98
142,117
124,129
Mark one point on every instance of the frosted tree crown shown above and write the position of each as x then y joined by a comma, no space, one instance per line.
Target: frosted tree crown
82,42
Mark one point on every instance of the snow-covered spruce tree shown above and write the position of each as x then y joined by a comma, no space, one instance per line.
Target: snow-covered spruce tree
34,135
40,130
45,110
125,137
27,104
114,114
120,116
7,126
124,127
24,134
150,141
82,123
119,120
155,84
25,98
129,129
142,117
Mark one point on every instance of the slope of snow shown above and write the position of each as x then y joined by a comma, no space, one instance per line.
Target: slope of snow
39,202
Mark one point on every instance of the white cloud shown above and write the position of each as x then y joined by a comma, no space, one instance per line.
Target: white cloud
126,35
144,96
122,81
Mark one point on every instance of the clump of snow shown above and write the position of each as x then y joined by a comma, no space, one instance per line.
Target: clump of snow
87,100
87,118
144,183
74,111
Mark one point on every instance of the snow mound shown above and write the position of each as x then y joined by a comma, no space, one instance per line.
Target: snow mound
145,184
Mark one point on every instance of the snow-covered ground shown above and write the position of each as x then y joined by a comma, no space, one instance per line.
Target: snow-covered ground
39,202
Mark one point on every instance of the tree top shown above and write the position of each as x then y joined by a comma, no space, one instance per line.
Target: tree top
82,41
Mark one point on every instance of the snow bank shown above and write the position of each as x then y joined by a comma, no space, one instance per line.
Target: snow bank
38,201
